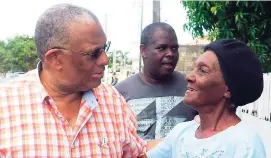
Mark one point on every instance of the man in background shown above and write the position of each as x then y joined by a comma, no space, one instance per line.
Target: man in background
156,94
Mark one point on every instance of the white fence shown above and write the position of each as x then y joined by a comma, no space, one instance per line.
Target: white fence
261,108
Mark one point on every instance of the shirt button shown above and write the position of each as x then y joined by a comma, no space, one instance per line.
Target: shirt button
62,118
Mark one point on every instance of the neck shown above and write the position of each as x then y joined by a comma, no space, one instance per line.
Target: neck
214,119
56,93
147,77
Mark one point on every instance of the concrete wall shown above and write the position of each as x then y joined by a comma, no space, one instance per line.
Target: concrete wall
187,55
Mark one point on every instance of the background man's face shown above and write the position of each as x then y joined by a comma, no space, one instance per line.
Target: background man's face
162,53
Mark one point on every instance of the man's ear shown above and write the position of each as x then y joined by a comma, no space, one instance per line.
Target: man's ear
52,58
227,94
143,50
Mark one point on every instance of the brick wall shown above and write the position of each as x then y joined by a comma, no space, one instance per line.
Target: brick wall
187,55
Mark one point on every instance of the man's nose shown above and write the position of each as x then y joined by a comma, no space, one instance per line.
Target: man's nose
171,52
102,59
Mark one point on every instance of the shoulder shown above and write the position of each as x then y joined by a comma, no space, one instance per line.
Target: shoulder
18,91
107,90
110,98
126,83
178,83
178,76
246,134
248,141
178,80
23,80
19,84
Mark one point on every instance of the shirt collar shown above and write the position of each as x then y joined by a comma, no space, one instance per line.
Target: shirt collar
88,96
90,99
43,92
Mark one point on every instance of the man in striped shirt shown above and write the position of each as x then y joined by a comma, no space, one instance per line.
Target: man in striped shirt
61,109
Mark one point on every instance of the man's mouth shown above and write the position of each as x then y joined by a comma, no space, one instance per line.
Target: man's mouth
169,65
98,75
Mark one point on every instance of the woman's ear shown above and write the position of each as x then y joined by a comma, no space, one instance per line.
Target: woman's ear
227,94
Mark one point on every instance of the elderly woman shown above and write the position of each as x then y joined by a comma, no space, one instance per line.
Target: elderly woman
228,74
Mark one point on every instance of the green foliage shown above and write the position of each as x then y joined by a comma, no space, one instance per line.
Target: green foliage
248,21
121,58
18,54
110,56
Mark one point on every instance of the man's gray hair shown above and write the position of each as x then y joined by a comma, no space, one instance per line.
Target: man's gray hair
52,26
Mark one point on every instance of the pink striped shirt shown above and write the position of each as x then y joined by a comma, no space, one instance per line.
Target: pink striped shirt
31,126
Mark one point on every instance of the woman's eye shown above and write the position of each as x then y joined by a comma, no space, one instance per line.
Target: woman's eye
202,71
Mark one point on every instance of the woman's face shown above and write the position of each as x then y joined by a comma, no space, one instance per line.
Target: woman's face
206,85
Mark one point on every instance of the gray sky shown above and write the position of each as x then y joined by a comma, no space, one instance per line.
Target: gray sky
123,18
